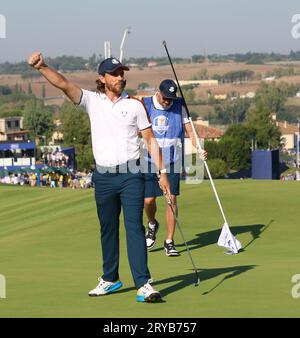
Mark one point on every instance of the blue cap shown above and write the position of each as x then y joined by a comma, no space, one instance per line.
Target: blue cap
110,65
168,89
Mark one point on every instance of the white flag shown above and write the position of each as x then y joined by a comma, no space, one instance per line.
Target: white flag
228,241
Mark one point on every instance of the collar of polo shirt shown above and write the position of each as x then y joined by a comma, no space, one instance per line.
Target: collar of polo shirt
124,95
158,106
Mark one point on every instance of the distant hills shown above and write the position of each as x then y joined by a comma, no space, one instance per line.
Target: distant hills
77,63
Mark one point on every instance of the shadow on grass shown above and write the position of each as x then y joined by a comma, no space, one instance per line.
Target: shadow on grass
211,237
183,281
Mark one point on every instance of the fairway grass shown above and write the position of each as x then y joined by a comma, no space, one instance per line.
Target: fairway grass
50,254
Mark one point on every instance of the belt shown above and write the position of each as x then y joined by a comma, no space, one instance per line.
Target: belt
132,166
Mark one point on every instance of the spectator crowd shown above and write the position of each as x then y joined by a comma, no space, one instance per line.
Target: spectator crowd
76,180
56,159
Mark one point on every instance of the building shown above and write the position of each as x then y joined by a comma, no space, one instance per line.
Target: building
220,97
205,132
57,136
289,132
201,83
11,130
249,95
152,64
14,155
270,79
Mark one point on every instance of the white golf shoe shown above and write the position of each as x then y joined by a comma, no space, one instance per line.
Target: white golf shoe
105,288
147,294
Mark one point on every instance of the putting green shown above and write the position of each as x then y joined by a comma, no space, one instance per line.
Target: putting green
50,254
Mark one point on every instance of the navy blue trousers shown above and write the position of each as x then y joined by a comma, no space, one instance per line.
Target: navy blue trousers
112,192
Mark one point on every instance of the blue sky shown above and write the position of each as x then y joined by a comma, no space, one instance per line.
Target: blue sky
61,27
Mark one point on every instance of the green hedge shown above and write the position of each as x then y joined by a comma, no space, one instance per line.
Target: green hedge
218,168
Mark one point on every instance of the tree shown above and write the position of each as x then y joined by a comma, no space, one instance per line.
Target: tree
194,115
235,147
43,91
202,75
213,149
231,112
76,130
17,88
131,91
93,62
273,96
74,125
189,96
29,92
218,168
38,119
84,157
263,128
5,90
143,85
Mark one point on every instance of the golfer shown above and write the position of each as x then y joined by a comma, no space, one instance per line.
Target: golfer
169,122
116,121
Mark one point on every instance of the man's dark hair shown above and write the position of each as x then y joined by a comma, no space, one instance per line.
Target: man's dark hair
100,86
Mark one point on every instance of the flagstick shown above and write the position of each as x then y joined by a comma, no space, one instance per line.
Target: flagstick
213,186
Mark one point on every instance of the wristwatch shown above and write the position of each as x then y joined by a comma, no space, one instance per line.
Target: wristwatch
162,171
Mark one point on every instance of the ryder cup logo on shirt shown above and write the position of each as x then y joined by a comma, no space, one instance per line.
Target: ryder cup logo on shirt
161,124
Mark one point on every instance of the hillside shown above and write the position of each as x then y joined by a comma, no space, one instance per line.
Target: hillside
153,76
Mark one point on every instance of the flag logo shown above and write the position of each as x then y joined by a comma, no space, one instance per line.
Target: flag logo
228,241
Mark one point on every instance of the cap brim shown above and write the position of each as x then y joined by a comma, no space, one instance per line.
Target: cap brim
118,67
168,96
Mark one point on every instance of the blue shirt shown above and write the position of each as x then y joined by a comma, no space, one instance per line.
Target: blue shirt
167,126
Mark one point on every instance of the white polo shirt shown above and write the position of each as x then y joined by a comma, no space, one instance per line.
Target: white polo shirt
115,127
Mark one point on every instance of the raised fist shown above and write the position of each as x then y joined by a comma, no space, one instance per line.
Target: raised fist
36,60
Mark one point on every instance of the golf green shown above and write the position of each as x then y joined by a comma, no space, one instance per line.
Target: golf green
50,254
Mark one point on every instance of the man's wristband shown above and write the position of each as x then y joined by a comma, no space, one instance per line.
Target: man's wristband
162,171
